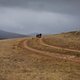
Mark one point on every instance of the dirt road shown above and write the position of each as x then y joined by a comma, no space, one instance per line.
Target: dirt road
43,43
52,55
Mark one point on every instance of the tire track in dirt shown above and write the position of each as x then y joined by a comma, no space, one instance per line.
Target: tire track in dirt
56,47
52,55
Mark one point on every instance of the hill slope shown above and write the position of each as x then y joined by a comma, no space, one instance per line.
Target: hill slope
29,59
5,35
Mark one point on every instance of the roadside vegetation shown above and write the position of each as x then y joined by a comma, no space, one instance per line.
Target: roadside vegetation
69,40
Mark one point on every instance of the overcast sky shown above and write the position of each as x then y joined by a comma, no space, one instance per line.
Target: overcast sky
45,16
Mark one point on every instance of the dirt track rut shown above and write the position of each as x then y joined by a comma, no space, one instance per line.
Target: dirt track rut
52,55
43,43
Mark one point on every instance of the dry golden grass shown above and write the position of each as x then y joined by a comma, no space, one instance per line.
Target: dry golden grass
35,43
18,63
66,40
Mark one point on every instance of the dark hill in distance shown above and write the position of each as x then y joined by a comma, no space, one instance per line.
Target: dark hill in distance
8,35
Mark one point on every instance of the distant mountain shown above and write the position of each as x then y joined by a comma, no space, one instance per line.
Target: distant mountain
33,34
7,35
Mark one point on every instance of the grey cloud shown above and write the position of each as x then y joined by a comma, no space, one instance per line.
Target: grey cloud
59,6
27,21
46,16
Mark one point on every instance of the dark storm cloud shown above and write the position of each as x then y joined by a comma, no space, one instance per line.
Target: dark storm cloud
46,16
60,6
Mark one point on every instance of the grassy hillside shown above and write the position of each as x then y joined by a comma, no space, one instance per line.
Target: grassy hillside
35,43
66,40
20,63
